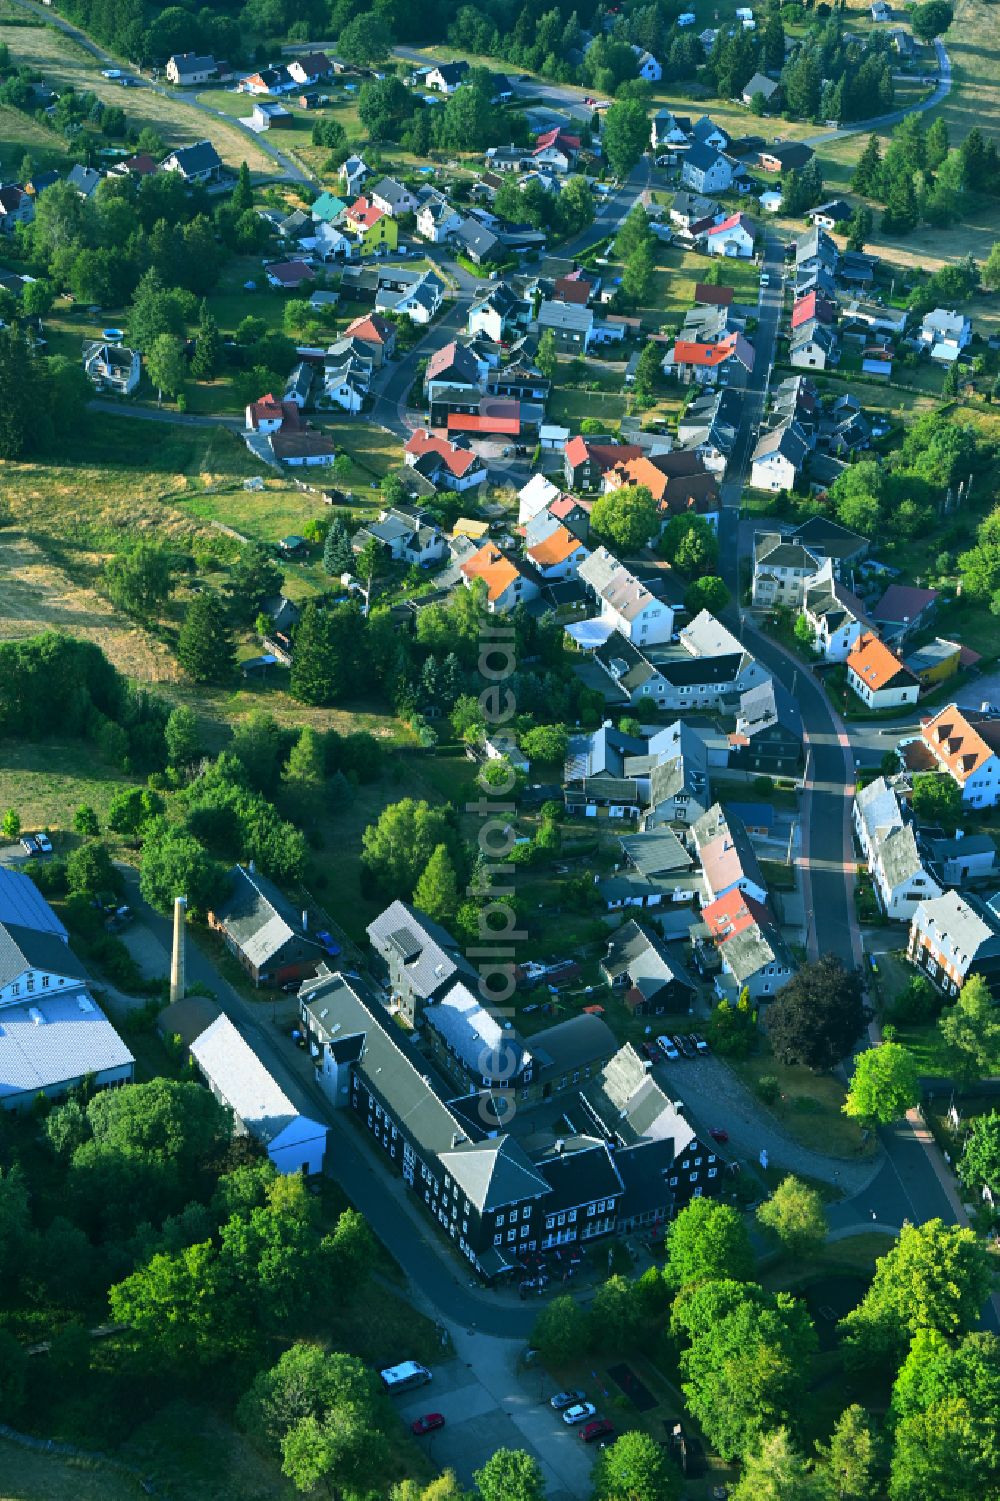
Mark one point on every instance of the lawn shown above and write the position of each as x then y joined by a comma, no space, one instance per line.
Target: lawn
28,1475
46,782
64,64
808,1105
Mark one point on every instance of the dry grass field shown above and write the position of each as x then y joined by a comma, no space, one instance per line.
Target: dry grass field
27,1476
64,62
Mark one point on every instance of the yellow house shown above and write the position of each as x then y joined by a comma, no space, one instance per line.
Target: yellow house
370,226
935,662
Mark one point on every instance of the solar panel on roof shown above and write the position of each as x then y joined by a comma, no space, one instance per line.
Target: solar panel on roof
406,944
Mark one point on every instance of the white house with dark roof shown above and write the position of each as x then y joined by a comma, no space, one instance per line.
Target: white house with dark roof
728,859
835,615
706,170
889,845
260,1107
778,457
112,367
199,162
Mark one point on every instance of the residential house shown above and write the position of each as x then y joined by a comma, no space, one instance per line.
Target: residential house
535,496
447,463
288,276
407,533
197,163
646,65
572,327
688,209
903,42
668,129
16,207
140,164
558,554
298,386
881,11
597,779
352,173
706,669
966,857
268,81
586,461
877,675
813,307
469,1044
454,368
965,743
679,786
705,132
706,170
760,84
327,208
954,937
260,1107
346,377
415,959
708,426
831,215
728,859
945,334
436,220
499,314
508,581
889,844
393,198
419,298
556,149
767,739
446,77
269,938
679,482
373,231
836,616
782,568
785,156
626,604
903,610
264,415
189,68
477,242
734,237
309,68
507,158
640,965
54,1036
778,457
752,953
708,363
812,346
378,336
828,539
111,367
86,179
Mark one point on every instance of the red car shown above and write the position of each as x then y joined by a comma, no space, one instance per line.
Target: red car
599,1428
652,1052
427,1423
717,1133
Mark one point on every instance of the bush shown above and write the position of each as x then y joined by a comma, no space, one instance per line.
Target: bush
769,1089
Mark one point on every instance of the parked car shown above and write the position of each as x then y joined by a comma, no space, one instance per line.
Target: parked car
599,1428
562,1400
701,1046
44,843
667,1046
29,846
684,1045
427,1423
579,1413
718,1134
652,1052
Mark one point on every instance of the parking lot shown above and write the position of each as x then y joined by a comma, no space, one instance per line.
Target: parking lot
488,1403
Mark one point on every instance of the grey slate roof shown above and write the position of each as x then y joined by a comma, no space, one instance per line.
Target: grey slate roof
257,917
900,856
24,948
582,1172
494,1173
748,951
634,952
632,1107
255,1097
428,951
477,1037
656,853
565,315
571,1043
766,704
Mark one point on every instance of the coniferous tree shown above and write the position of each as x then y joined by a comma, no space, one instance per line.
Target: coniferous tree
867,178
242,195
436,893
207,344
205,646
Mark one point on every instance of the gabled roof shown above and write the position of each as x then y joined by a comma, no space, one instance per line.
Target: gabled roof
474,1033
364,213
496,569
732,913
687,352
244,1083
875,664
713,296
630,1107
457,459
735,221
193,160
257,917
788,440
644,959
22,903
23,948
553,549
429,954
454,363
790,154
370,329
903,603
963,739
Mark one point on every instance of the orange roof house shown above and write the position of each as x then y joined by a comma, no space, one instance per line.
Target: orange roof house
372,330
877,675
966,744
557,551
506,585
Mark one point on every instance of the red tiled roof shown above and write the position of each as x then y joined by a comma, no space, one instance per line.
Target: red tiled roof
364,213
458,460
577,292
730,914
490,564
556,137
266,409
961,746
732,222
579,449
371,329
555,548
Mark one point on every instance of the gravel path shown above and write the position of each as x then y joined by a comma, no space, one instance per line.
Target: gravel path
715,1097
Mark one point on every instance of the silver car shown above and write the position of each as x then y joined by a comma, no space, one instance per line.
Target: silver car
579,1413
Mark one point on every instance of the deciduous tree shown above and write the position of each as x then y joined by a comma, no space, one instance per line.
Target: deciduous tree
635,1468
970,1029
626,519
818,1016
708,1240
884,1086
794,1216
510,1475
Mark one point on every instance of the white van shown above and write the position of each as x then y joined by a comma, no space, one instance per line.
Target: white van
399,1378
